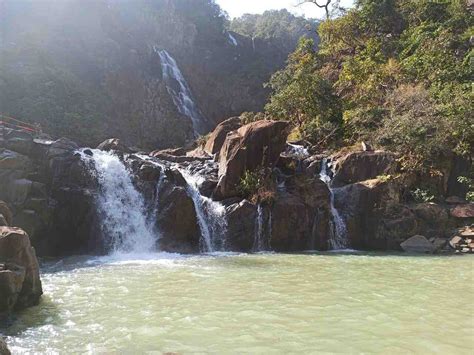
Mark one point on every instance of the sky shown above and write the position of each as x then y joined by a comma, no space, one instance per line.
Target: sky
236,8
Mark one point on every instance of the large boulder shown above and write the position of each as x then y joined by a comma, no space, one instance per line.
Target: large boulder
217,138
16,250
257,144
361,166
465,211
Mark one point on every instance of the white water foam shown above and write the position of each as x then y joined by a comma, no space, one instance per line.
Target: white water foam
210,215
122,207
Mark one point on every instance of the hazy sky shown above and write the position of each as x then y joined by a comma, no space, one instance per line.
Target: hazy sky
237,8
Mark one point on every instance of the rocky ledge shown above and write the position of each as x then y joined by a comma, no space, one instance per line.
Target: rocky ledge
53,193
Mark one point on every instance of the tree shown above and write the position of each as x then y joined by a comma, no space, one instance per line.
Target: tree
323,5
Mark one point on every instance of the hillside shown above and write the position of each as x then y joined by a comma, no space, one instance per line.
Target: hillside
95,71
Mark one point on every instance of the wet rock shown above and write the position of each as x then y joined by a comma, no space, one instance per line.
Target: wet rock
10,160
149,172
176,220
61,147
15,248
3,348
113,144
417,244
463,211
12,277
361,166
258,144
241,217
218,136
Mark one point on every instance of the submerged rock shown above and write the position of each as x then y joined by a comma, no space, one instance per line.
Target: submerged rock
417,244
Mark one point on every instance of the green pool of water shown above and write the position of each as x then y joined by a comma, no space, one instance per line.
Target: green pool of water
252,304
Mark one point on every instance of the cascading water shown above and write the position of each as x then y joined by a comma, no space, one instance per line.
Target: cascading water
181,94
125,223
263,229
210,215
232,39
338,238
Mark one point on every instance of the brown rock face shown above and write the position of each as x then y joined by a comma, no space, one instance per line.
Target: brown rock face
361,166
218,136
15,248
463,211
258,144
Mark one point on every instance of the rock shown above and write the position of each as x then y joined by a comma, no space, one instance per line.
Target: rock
257,144
61,147
12,277
439,243
361,166
3,348
417,244
113,144
10,160
218,136
241,217
19,141
177,221
463,211
455,241
149,172
6,213
432,219
466,232
15,248
455,200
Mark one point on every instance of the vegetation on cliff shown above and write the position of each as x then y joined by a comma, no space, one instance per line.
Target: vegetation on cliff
394,73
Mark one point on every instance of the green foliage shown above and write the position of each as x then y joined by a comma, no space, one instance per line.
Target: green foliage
399,74
249,184
257,186
422,195
469,182
249,117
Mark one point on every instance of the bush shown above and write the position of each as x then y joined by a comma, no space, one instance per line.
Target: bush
422,195
257,186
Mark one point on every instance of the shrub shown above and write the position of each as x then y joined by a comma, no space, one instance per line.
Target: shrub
422,195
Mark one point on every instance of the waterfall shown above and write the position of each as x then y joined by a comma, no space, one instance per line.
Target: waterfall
338,238
297,151
181,93
122,207
263,230
210,214
232,39
258,242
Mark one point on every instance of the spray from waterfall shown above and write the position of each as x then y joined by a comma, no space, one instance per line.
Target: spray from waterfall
122,207
338,233
210,214
181,93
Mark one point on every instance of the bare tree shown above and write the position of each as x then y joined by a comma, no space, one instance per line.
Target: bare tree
322,4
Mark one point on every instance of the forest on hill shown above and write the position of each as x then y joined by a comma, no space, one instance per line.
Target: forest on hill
394,73
92,72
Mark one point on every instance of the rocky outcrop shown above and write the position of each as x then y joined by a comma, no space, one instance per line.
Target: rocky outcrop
3,347
114,144
217,137
463,211
361,166
258,144
20,284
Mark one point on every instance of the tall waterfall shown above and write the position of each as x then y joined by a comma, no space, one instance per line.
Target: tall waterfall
125,223
210,215
338,238
180,93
